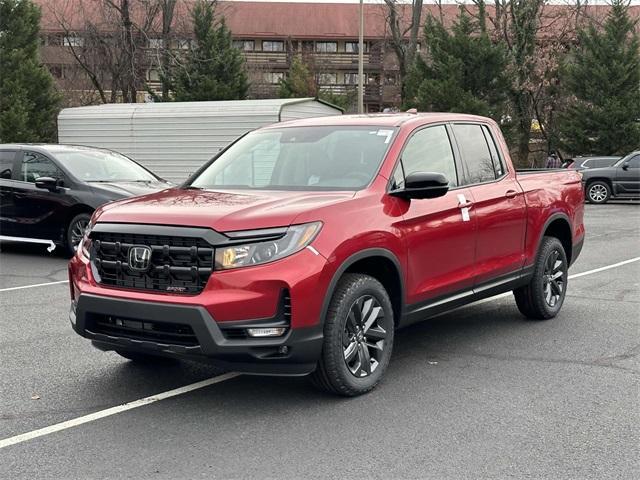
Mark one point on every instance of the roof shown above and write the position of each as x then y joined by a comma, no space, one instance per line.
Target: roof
380,120
224,108
281,19
48,147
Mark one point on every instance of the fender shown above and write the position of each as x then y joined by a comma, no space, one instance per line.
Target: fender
369,252
550,220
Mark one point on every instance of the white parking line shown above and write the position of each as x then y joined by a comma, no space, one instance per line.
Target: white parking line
204,383
113,410
33,286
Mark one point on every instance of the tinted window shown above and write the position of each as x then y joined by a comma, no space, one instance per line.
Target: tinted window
498,168
475,152
634,162
429,150
601,162
300,158
6,163
34,165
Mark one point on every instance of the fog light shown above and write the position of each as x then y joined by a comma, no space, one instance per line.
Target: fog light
266,332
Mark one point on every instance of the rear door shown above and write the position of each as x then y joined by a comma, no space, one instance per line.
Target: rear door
439,232
628,176
7,206
39,213
498,201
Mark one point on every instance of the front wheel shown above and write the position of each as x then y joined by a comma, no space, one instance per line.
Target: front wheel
542,298
75,231
358,337
598,192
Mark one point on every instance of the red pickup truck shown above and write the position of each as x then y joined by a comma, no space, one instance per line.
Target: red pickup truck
303,246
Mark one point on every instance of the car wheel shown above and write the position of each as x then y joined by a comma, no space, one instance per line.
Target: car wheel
598,192
542,298
145,358
75,231
358,337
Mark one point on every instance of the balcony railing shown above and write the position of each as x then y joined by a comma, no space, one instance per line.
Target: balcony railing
271,58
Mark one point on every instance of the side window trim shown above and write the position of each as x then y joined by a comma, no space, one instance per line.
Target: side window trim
452,144
466,179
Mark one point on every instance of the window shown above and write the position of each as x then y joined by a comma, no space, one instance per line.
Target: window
351,78
35,165
72,41
273,77
94,165
327,78
352,47
498,167
429,150
156,43
300,158
185,43
244,45
327,47
634,162
475,153
272,46
6,163
153,75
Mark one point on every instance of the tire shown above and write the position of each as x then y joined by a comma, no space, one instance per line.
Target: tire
543,297
77,225
598,192
358,337
145,358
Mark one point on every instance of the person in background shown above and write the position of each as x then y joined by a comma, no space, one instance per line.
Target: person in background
553,161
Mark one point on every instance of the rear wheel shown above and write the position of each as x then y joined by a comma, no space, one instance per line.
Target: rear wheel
358,337
542,298
75,231
598,192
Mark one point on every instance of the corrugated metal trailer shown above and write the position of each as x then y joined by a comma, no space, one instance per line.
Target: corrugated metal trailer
174,139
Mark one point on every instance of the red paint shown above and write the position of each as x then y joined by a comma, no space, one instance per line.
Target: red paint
437,252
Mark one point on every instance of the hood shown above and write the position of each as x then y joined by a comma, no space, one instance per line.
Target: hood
600,171
128,189
223,211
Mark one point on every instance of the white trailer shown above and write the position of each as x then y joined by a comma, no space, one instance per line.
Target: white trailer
174,139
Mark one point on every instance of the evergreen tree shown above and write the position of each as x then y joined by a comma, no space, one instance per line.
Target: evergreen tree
299,83
602,75
463,70
28,98
214,69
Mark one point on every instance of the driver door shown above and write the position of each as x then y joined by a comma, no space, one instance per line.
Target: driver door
39,213
440,233
628,177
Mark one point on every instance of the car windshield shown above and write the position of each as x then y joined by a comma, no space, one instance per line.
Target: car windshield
300,158
103,166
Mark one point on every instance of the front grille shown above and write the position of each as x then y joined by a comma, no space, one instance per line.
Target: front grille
177,264
157,332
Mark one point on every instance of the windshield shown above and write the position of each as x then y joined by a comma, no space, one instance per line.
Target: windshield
626,158
103,166
300,158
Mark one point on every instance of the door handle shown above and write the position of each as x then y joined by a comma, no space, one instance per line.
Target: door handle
466,204
511,194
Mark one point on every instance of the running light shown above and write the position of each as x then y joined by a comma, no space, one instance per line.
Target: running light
266,332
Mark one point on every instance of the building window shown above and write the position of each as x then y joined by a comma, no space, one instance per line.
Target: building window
56,71
153,75
156,43
72,41
273,77
327,47
350,78
273,46
244,45
185,43
327,78
390,79
352,47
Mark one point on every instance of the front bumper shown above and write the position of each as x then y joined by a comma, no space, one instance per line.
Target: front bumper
249,355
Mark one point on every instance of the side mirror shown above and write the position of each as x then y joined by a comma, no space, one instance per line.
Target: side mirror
47,183
420,185
625,166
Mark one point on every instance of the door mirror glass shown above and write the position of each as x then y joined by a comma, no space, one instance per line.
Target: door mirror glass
424,185
47,183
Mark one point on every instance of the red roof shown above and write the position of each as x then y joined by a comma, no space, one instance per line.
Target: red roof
273,19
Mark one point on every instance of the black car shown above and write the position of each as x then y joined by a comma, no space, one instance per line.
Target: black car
50,191
621,180
582,163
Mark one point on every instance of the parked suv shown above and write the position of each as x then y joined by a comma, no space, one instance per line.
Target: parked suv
621,180
303,246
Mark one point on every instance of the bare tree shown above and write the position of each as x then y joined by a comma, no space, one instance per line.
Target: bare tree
404,21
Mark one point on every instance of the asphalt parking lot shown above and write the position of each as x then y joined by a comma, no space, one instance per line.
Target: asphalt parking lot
476,393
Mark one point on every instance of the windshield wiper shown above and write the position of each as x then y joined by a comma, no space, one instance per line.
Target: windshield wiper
191,187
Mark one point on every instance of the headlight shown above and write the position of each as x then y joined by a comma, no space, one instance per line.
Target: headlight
295,239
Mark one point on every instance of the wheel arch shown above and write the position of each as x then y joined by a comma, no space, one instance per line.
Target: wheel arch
73,211
382,265
558,226
606,180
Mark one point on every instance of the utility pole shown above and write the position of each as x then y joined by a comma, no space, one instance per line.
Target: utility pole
361,61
